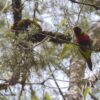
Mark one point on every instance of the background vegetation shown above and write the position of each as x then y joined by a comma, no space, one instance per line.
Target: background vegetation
39,60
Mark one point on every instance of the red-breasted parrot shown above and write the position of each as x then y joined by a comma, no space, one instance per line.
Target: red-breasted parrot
84,45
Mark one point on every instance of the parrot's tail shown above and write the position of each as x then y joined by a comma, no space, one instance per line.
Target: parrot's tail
90,64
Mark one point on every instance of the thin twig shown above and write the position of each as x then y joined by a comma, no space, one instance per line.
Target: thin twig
56,82
79,14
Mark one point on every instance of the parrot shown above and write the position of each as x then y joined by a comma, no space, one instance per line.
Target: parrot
23,25
85,43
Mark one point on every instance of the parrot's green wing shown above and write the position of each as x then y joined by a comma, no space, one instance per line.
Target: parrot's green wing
86,53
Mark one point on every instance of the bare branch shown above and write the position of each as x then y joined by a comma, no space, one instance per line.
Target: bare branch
87,4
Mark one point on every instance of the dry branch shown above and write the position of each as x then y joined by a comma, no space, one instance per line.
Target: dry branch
87,4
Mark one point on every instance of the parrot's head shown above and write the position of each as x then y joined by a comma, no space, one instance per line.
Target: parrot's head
77,31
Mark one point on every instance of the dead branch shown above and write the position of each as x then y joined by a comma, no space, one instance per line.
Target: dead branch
87,4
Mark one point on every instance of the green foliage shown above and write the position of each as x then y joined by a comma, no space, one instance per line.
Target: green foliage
1,5
33,95
86,91
63,22
65,50
4,6
2,23
46,96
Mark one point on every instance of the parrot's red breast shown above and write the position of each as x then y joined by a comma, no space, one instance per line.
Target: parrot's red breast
83,39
